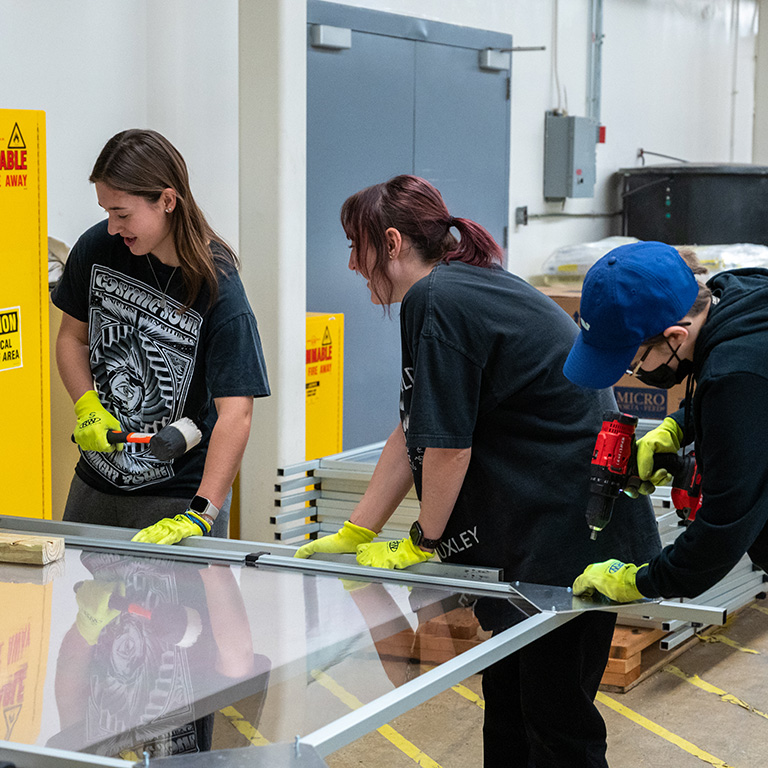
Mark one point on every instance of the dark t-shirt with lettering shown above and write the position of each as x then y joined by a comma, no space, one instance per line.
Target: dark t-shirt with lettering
482,361
153,364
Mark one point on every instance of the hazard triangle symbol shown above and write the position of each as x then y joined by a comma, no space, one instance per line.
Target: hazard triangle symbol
327,337
16,141
11,715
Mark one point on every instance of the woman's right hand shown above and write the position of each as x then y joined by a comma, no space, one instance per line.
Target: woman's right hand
93,423
347,539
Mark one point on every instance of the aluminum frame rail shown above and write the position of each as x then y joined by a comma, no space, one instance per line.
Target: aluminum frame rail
542,610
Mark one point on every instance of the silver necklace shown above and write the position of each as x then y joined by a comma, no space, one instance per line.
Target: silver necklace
163,301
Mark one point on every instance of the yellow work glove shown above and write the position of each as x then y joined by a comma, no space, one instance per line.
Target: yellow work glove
346,539
173,529
392,554
666,438
93,611
93,423
614,579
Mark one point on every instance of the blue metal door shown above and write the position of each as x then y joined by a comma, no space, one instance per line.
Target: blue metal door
406,96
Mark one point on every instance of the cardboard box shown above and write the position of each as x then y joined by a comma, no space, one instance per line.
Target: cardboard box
632,396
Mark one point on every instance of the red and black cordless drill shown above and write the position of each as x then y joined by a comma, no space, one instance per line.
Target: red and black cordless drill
614,468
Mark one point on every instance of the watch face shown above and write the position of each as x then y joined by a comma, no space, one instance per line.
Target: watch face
199,504
416,533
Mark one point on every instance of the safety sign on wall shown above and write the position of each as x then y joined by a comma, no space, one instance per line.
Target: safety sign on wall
24,356
324,384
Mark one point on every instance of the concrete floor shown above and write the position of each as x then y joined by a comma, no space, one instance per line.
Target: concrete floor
707,706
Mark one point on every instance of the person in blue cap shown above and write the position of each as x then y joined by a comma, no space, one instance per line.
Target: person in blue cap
644,312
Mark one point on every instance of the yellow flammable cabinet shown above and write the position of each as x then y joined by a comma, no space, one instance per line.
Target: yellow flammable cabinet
24,356
324,384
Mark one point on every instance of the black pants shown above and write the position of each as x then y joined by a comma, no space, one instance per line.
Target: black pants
539,702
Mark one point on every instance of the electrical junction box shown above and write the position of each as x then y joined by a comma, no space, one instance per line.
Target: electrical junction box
570,156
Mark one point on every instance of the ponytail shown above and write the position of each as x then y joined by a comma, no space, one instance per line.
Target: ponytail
476,247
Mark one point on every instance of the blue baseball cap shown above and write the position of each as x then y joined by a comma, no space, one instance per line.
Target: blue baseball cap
631,294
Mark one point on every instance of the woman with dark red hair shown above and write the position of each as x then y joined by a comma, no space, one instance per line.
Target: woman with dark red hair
498,443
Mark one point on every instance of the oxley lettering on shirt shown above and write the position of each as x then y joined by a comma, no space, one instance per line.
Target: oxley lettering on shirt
458,543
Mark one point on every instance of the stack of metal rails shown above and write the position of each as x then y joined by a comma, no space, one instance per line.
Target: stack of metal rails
317,497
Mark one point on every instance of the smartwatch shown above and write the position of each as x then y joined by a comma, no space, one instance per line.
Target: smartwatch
204,508
417,537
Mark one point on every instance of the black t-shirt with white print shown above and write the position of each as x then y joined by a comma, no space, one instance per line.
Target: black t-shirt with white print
152,364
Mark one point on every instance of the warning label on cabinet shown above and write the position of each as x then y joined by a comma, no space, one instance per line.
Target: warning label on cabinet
10,338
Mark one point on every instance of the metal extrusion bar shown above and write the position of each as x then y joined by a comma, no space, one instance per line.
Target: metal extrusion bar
696,614
375,714
32,756
500,589
676,638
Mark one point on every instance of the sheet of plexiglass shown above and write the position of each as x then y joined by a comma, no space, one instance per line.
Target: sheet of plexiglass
117,655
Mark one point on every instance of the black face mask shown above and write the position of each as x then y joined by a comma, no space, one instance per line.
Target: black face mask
664,377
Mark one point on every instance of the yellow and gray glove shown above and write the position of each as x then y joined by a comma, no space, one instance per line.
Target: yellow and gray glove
93,610
614,579
347,539
93,423
173,529
666,438
392,554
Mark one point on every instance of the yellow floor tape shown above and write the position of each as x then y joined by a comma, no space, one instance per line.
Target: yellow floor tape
240,724
389,733
659,730
469,695
709,688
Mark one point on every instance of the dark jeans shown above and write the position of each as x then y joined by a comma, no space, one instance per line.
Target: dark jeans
87,505
539,702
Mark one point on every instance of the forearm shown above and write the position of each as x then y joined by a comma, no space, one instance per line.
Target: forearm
229,622
391,481
226,447
71,684
442,477
72,357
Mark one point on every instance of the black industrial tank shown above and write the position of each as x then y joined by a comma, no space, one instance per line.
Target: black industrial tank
696,204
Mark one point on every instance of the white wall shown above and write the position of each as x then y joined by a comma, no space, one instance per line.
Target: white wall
667,87
97,68
760,139
85,66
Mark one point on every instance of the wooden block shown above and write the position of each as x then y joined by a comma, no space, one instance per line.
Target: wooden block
32,550
629,641
622,666
459,623
621,680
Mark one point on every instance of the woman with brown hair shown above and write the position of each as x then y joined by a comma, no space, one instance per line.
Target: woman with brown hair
156,327
498,444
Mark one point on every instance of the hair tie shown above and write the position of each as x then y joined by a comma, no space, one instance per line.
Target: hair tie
451,222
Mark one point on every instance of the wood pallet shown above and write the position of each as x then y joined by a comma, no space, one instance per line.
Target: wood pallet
635,654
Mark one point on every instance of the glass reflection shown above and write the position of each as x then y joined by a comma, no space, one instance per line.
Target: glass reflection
150,640
115,655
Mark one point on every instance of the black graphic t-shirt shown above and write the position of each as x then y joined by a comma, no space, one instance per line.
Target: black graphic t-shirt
153,365
482,362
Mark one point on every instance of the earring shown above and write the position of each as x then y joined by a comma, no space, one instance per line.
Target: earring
167,210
